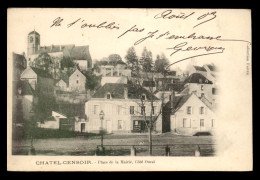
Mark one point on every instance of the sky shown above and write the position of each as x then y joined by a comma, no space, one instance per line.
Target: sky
103,42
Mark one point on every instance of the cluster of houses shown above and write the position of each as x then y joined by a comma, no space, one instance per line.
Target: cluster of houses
181,103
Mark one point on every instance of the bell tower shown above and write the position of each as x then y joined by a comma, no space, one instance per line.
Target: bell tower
33,43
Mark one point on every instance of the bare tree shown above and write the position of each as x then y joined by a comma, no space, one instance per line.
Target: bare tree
151,119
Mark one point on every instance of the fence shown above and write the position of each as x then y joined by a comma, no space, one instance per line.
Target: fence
158,150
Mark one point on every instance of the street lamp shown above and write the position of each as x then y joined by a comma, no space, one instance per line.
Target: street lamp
101,115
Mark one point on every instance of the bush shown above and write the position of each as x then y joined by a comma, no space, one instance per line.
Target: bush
42,133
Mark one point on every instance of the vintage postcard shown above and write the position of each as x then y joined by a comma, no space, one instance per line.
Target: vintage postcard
129,89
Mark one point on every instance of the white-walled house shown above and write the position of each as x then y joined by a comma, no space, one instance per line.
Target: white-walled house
113,79
122,111
189,115
74,81
198,84
53,122
77,81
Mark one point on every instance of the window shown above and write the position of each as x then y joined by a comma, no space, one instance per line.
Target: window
202,87
77,81
212,123
202,94
143,97
108,96
77,75
202,123
143,110
96,108
170,97
132,110
186,123
120,124
189,110
202,109
214,91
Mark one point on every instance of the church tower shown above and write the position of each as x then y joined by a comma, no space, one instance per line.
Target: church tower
33,43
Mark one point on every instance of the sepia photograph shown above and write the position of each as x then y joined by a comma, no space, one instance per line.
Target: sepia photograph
124,89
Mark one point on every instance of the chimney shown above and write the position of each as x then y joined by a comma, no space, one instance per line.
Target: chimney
125,92
172,97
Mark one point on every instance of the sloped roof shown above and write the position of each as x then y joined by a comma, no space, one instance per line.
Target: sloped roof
211,67
117,91
25,87
41,72
197,78
199,68
70,50
19,61
78,53
178,102
34,32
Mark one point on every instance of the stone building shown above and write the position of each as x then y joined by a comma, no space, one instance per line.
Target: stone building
121,106
79,54
188,114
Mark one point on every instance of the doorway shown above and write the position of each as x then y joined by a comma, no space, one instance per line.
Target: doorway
82,127
109,126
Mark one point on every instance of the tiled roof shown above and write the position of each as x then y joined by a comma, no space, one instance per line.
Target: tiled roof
197,78
211,67
117,91
80,53
198,68
19,61
178,102
72,51
34,32
41,72
25,87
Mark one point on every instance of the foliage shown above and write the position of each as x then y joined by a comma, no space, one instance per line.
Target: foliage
132,59
43,61
92,81
113,59
146,60
67,62
41,133
161,64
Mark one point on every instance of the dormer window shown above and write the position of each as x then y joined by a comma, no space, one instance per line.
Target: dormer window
200,80
108,96
143,97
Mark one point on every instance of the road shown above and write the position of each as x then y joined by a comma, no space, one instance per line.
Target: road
87,146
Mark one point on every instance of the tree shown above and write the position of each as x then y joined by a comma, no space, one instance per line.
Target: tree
92,81
146,60
67,62
102,62
113,59
132,59
161,64
43,61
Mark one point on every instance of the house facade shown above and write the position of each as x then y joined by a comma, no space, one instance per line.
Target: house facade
198,84
189,115
52,122
122,110
79,54
39,80
77,81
